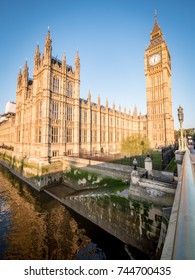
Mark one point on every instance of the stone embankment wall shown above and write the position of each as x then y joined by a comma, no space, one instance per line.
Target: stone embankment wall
40,175
32,172
140,218
135,223
105,169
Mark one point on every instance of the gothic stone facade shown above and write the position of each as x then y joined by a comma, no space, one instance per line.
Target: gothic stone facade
52,120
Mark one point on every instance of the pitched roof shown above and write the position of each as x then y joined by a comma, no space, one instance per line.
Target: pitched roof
156,35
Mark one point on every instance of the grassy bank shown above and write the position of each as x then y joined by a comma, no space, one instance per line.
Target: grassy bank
155,156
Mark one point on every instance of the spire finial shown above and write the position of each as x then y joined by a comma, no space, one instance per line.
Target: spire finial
37,49
106,102
155,15
77,55
64,56
99,100
89,94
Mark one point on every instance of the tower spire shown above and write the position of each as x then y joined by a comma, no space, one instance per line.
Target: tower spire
156,33
156,25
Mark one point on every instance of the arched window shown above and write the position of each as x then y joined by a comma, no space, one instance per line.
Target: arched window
69,113
56,84
54,134
69,90
55,110
39,110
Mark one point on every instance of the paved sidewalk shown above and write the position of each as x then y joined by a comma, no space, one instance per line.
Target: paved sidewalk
192,154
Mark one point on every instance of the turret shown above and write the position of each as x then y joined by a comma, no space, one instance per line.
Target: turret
77,76
135,112
48,45
19,82
25,74
77,66
37,59
89,97
64,63
106,103
99,101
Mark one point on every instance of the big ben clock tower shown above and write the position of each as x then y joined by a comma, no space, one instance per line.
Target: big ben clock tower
158,89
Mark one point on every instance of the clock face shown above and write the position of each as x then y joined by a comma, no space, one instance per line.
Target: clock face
154,59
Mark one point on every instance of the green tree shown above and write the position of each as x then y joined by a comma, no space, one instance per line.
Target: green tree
176,134
135,145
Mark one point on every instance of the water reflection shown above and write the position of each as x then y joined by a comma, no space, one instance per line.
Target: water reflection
36,226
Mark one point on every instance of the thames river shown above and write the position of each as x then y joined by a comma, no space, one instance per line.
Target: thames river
35,226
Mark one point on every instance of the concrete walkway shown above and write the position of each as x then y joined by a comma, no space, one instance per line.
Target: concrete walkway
192,155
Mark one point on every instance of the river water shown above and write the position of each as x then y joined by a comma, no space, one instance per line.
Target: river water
34,226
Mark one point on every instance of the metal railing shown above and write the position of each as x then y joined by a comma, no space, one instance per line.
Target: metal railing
184,245
180,239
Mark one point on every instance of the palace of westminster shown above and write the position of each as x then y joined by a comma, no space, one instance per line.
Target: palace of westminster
51,120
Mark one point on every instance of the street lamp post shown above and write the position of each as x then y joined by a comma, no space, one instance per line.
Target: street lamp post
181,118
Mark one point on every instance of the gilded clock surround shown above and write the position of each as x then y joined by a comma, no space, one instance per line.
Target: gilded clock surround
154,59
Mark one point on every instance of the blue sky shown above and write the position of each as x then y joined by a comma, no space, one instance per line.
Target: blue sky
111,37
